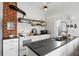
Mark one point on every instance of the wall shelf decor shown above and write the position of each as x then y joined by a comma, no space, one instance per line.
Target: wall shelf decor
32,22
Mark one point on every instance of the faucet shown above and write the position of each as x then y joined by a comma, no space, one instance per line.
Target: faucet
66,27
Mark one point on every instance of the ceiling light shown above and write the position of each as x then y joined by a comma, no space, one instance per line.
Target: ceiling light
45,8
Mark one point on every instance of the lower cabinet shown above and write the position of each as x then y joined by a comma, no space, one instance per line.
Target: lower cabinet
70,48
58,52
27,52
24,50
30,52
10,47
65,50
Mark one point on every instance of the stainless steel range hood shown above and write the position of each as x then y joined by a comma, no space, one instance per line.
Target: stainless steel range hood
17,9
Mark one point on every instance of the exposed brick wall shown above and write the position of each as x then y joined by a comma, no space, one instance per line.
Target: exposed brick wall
9,15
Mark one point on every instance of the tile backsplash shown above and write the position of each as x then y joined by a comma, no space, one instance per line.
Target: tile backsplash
26,28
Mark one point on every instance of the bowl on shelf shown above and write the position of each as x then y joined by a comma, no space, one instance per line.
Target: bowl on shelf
11,36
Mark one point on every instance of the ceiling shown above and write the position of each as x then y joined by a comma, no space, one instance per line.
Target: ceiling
54,7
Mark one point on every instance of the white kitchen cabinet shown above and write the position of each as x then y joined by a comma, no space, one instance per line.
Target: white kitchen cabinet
23,49
58,52
77,43
77,40
70,47
10,47
65,50
30,52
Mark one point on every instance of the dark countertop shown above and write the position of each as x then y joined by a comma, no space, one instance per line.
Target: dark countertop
9,38
33,35
41,34
44,47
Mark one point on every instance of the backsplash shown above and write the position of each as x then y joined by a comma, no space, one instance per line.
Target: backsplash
33,13
27,28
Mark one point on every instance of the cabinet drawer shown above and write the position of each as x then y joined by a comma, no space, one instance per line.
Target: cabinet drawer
13,44
10,51
10,41
10,47
22,48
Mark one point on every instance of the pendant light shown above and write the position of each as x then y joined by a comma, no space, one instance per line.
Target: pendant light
45,7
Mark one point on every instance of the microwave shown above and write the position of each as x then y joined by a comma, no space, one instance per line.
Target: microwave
43,32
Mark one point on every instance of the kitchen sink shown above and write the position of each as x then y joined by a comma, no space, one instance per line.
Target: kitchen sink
60,39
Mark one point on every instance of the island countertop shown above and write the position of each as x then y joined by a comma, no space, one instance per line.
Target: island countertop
44,47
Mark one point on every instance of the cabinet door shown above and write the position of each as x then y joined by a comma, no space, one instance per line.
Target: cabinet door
75,43
10,51
23,49
30,52
58,52
76,47
72,46
64,50
77,40
10,47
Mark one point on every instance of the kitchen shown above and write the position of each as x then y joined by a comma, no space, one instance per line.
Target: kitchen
39,29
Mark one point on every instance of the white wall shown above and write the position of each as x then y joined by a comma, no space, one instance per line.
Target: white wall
62,9
1,15
33,11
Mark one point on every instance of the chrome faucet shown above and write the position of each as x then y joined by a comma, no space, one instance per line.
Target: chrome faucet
66,27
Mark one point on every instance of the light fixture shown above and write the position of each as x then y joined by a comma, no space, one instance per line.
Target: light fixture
45,8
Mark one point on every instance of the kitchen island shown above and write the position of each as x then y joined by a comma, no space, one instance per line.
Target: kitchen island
51,47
